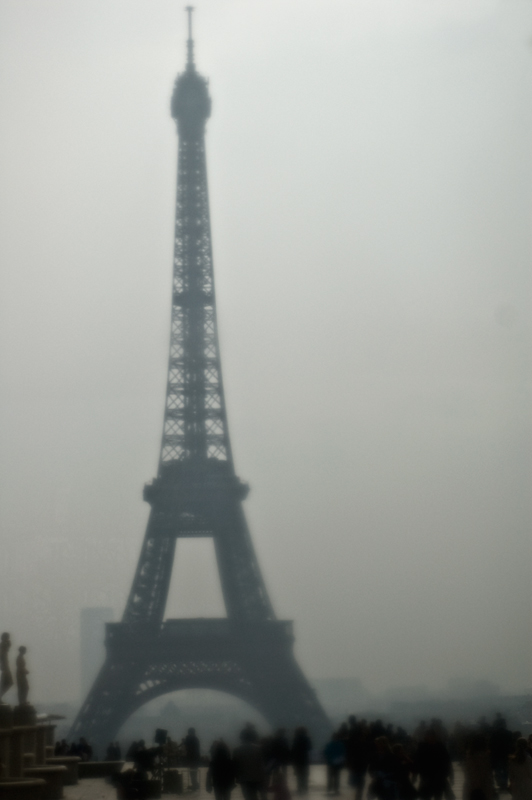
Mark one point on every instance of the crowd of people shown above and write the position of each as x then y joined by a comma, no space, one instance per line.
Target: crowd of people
382,762
394,765
82,749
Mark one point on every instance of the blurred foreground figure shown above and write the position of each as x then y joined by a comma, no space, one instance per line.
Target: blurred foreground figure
222,770
478,774
434,767
501,745
192,755
279,786
520,772
249,765
280,750
113,752
404,767
382,771
301,747
358,749
334,754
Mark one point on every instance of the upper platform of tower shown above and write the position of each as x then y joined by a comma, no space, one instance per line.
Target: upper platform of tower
191,103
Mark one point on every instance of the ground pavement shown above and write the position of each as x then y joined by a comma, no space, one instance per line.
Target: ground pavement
98,789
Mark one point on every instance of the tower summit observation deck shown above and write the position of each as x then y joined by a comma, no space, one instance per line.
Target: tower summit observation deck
197,494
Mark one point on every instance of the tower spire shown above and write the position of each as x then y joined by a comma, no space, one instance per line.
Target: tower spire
190,40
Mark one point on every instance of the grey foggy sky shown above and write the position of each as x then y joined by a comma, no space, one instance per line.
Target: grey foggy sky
370,184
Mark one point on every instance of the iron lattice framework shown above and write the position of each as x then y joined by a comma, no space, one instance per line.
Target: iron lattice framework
196,494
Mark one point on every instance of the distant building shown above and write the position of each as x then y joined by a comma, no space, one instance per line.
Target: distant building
341,696
92,630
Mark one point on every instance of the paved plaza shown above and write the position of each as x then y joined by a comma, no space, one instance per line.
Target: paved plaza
99,789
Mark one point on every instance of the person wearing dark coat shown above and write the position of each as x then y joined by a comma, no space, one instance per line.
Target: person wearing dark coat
300,754
404,767
334,754
222,771
249,765
192,755
501,742
280,750
434,767
358,751
382,768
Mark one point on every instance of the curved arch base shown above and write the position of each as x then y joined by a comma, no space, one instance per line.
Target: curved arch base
252,661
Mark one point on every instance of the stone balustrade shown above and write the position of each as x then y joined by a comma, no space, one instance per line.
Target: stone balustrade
24,771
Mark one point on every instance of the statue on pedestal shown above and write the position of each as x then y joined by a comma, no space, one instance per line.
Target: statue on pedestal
6,678
23,686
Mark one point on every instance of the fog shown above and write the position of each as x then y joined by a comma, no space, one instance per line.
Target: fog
370,181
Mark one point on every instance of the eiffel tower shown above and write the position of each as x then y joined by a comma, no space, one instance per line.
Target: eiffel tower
196,493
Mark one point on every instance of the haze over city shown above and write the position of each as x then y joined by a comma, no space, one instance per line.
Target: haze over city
370,192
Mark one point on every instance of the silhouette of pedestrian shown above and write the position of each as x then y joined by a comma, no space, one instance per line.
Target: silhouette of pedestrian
222,771
301,747
192,755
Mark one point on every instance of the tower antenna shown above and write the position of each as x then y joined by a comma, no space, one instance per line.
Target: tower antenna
190,41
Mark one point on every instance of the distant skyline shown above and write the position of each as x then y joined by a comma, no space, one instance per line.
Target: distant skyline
370,183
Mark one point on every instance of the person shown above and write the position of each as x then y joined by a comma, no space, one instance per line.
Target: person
22,677
84,750
192,755
500,749
334,754
249,765
222,771
434,767
478,773
357,755
139,757
279,786
520,772
130,752
113,752
382,768
300,755
145,759
280,750
404,767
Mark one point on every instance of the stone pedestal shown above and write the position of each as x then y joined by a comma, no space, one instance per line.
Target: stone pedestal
71,763
40,745
5,766
6,723
28,760
16,753
53,776
6,716
50,734
24,715
99,769
23,790
29,741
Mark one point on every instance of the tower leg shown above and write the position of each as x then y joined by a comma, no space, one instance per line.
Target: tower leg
110,702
